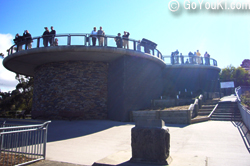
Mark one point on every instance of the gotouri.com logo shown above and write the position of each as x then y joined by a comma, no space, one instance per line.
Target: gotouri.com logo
173,5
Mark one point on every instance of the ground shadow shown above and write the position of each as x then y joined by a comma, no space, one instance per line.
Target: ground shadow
62,129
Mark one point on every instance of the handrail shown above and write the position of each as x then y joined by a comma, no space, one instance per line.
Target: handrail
189,60
66,39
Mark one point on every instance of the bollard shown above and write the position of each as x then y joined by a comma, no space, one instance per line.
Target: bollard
150,142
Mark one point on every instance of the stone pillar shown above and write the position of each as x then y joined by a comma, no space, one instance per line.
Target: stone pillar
150,142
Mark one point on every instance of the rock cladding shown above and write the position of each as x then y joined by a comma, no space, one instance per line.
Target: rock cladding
70,90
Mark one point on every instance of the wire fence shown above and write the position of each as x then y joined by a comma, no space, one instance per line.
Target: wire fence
22,144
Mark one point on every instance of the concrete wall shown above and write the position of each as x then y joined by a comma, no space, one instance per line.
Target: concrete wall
132,83
192,78
71,90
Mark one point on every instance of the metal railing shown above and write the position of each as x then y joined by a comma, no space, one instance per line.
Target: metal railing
82,40
189,60
22,144
245,113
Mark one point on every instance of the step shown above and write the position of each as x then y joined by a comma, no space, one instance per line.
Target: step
226,110
203,113
205,109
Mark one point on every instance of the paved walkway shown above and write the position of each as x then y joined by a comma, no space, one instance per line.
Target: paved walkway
231,98
212,143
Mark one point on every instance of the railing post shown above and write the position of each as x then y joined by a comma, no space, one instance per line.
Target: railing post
134,45
85,40
105,41
69,40
38,42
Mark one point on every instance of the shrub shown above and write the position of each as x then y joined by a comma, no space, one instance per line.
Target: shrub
245,98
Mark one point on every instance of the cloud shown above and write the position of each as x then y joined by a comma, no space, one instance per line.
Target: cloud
7,78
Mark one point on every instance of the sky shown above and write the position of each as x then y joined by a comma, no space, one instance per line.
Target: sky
222,32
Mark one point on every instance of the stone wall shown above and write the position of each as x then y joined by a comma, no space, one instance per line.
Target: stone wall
71,90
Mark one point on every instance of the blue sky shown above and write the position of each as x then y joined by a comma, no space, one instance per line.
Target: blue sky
223,33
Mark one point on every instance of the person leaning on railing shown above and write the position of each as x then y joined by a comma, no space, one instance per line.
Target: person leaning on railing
28,39
18,39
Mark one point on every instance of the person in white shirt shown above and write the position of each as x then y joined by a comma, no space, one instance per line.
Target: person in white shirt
93,35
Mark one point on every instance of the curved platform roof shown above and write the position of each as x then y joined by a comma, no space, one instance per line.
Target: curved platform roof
25,62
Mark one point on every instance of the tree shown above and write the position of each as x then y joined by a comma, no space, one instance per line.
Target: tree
239,75
20,98
24,92
1,55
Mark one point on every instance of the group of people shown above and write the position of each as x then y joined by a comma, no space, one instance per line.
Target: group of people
194,58
121,41
49,37
97,35
25,39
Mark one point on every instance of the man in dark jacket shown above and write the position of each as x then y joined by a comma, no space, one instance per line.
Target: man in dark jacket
52,36
46,37
18,42
118,41
28,39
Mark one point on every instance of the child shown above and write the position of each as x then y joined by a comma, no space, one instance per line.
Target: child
56,42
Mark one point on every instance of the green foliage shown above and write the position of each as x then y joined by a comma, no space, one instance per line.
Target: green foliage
239,75
20,98
245,98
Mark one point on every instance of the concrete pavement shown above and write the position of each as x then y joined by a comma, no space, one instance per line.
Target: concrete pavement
212,143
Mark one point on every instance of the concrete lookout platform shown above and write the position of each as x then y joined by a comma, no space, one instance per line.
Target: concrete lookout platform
80,82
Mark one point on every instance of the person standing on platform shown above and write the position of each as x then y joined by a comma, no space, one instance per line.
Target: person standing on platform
52,36
118,40
17,41
46,37
93,35
28,39
100,33
125,39
198,57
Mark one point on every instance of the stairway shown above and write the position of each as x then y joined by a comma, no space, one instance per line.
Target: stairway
227,111
205,110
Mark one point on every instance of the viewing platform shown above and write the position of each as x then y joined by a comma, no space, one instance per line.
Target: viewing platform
73,47
77,80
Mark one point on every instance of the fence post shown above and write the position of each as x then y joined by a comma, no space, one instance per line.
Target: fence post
38,42
105,41
69,40
134,45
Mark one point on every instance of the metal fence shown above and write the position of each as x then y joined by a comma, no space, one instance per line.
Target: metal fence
82,40
22,144
189,60
245,113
